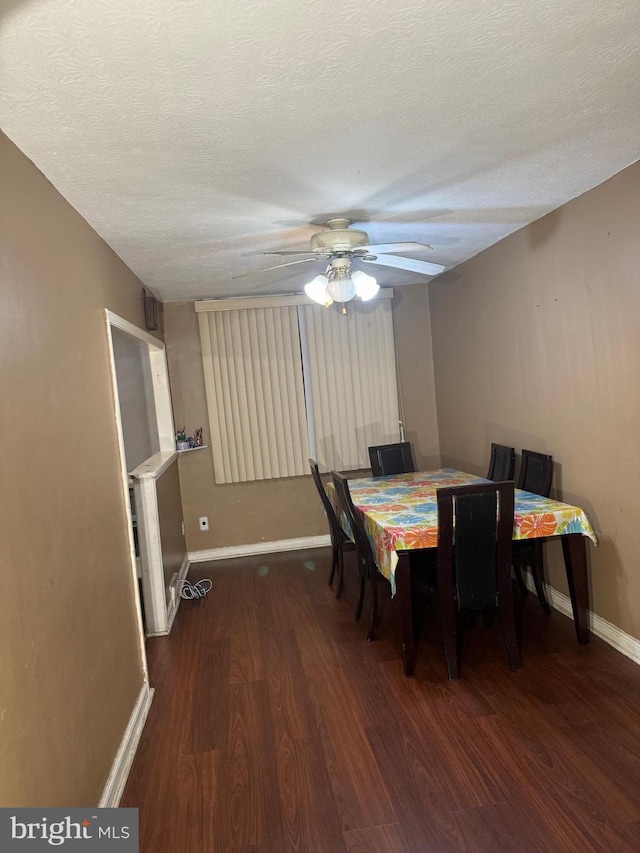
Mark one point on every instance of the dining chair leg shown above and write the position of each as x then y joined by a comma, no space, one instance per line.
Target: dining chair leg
508,621
450,646
360,602
340,585
517,570
373,621
448,621
334,563
537,570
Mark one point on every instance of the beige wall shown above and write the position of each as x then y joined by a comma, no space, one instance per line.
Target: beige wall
71,665
247,513
537,344
172,540
412,328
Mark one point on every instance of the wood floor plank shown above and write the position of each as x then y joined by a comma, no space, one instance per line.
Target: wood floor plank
194,811
367,678
168,723
567,813
287,603
507,827
357,785
582,778
276,728
447,738
374,839
209,710
309,812
247,659
290,703
214,611
422,808
614,750
252,810
317,641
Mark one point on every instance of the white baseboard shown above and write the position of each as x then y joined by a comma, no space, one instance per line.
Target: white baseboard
173,609
230,551
607,631
121,766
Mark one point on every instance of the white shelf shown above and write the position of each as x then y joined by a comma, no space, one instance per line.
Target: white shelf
154,465
189,449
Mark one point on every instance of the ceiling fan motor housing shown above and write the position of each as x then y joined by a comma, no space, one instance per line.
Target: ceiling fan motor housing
338,237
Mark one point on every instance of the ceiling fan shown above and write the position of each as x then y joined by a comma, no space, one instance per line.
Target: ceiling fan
338,245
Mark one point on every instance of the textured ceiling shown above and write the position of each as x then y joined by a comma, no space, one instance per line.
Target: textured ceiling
195,135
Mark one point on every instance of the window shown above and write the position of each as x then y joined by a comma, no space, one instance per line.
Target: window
350,378
286,380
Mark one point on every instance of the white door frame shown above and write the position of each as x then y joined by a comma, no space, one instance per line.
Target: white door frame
155,606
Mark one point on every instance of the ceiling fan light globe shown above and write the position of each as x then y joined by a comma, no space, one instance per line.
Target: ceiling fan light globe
366,286
317,290
341,289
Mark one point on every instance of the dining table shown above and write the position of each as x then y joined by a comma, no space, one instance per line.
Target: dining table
401,517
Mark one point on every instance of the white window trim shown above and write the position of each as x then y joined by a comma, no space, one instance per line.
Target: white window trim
269,301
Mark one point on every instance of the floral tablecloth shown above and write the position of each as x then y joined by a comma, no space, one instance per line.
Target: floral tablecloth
401,513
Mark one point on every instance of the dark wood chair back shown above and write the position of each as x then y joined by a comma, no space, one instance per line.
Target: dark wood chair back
387,459
475,526
475,529
356,522
335,530
502,462
536,471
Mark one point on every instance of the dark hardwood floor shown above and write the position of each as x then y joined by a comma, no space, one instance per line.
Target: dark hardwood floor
277,727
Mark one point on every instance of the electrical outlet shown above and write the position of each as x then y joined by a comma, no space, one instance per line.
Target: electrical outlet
203,521
182,527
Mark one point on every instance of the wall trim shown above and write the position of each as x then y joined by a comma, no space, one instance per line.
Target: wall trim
134,331
121,766
231,551
622,642
153,583
124,477
173,609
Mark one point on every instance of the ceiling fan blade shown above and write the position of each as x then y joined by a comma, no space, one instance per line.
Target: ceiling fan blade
299,252
277,266
381,248
422,267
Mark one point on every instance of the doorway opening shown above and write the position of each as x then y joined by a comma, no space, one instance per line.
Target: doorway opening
144,423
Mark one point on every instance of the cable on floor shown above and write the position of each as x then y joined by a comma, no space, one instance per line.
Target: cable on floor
189,590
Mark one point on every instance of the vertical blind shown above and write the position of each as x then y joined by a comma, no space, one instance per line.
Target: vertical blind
255,393
351,379
285,381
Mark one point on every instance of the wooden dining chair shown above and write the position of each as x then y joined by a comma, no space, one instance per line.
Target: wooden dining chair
475,526
502,462
369,573
536,473
387,459
340,542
